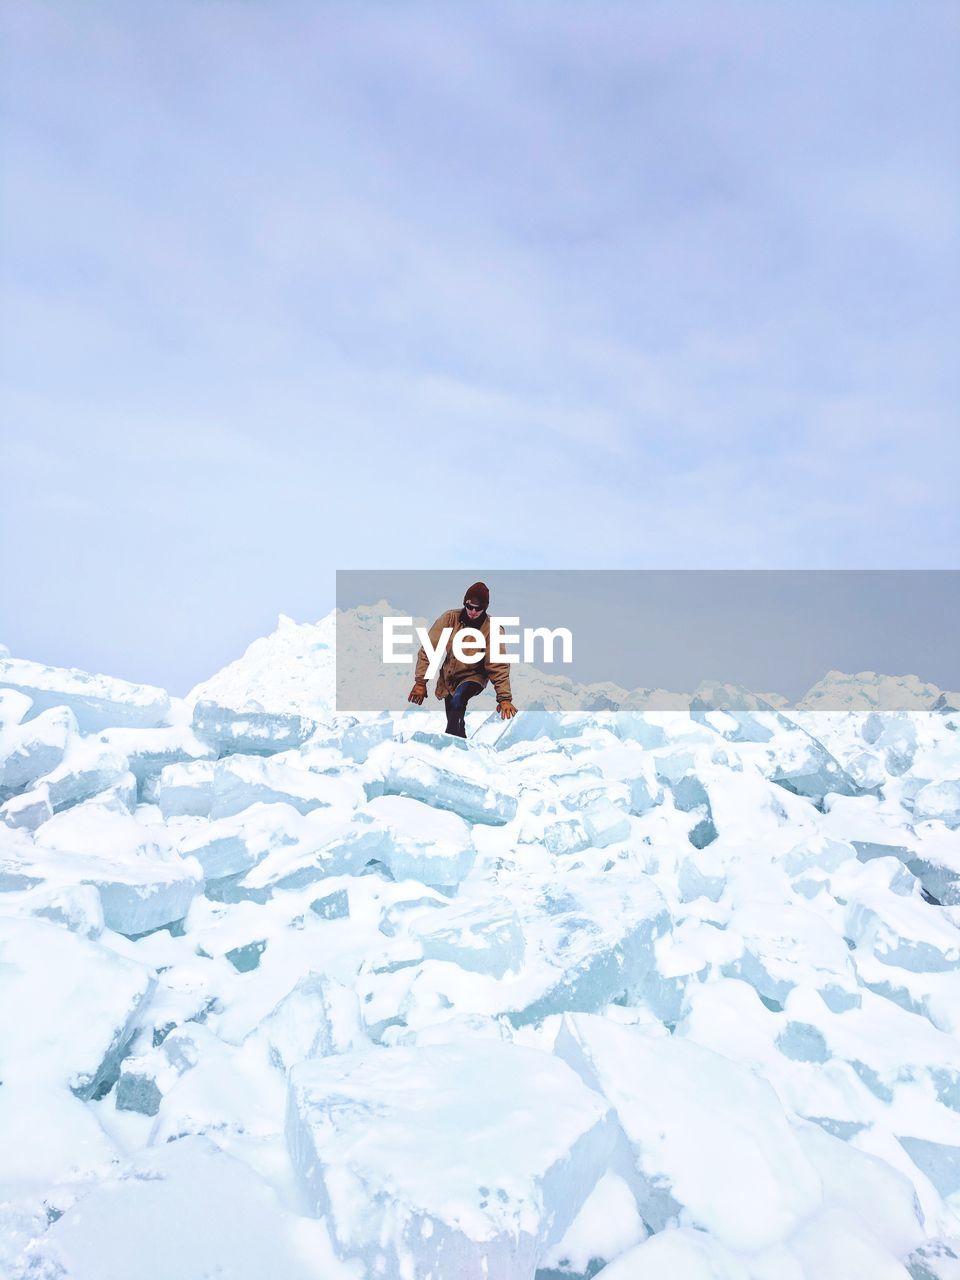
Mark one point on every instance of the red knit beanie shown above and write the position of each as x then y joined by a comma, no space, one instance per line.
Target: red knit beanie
478,593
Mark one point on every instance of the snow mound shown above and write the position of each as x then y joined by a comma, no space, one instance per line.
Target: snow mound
622,991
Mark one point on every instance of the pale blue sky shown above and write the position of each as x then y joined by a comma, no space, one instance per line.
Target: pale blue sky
295,287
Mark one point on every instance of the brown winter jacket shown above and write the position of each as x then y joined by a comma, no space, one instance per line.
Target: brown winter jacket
452,672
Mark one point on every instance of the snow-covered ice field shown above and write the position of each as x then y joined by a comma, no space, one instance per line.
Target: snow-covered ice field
636,993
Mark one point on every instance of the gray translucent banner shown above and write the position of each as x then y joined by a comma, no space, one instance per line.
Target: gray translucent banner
829,640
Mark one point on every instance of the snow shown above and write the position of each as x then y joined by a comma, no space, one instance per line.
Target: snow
450,1159
67,1007
239,781
428,776
939,800
319,1017
669,988
142,882
97,701
421,842
867,690
608,1225
228,846
288,673
147,751
486,937
185,788
185,1209
709,1137
28,751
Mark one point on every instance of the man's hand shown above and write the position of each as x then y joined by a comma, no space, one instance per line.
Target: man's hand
417,693
507,710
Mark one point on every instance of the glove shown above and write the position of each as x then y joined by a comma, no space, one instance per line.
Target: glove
417,693
507,710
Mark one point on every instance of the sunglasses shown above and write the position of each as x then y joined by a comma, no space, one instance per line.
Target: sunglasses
473,608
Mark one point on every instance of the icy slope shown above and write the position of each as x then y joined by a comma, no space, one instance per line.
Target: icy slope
636,992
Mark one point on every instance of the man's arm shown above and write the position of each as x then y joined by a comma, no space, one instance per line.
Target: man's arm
499,673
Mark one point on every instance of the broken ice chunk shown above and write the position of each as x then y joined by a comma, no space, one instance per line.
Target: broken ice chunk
27,811
804,766
595,943
786,945
690,796
28,751
68,1006
228,1091
634,726
643,796
146,1078
420,779
569,835
18,867
691,1117
246,957
332,906
360,739
460,1160
121,797
534,723
868,850
228,846
673,764
605,823
97,701
420,842
326,848
803,1042
735,713
143,1082
319,1017
939,873
608,1224
241,781
938,801
585,785
183,1209
895,735
444,741
143,884
290,670
817,852
694,882
14,705
186,790
903,931
137,900
260,732
486,937
392,917
935,1259
148,751
938,1160
866,770
86,768
76,906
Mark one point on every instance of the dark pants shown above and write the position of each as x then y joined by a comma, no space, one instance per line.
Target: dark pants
456,705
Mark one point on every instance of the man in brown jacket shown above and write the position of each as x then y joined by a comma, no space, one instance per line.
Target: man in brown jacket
458,681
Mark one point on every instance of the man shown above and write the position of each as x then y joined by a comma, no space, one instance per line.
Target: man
458,681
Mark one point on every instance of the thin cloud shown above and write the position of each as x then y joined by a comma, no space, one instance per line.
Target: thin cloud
288,286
